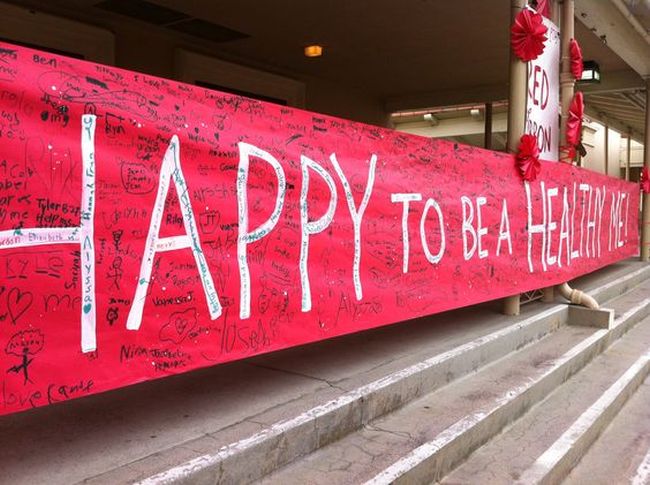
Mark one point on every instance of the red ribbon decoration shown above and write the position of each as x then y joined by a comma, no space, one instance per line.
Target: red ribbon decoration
527,158
574,122
544,7
576,59
568,153
528,35
645,181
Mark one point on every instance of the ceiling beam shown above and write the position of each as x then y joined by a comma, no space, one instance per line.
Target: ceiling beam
614,123
614,81
464,95
458,126
606,20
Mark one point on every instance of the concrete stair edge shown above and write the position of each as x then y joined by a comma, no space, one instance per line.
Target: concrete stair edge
288,440
558,460
436,458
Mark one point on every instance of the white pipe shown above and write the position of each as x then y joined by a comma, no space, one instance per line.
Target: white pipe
567,84
577,297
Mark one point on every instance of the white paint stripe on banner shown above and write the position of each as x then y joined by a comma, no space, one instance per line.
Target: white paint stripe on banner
356,214
170,170
307,227
173,242
37,236
87,235
246,237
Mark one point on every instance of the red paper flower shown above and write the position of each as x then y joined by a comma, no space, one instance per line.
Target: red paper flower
527,158
576,59
645,181
528,35
574,122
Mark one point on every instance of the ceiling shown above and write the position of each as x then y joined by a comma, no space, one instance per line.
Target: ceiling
641,10
625,110
386,47
391,49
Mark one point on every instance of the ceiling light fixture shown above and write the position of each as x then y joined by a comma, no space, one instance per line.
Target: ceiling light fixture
430,117
590,73
314,50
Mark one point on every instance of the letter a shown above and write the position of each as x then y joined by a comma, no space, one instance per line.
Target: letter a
171,170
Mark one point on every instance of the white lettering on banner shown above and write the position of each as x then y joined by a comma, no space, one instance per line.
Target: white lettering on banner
585,189
308,228
588,209
245,236
171,171
575,253
504,229
565,234
87,231
543,96
82,235
600,207
480,230
405,199
357,215
551,226
468,228
616,220
591,225
468,218
536,228
621,241
592,206
433,259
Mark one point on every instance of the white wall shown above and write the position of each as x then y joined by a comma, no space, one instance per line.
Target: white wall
593,139
451,127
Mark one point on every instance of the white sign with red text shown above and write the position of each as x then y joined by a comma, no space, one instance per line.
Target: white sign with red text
543,96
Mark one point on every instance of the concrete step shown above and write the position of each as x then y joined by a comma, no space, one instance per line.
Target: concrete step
235,423
422,440
556,462
542,445
622,453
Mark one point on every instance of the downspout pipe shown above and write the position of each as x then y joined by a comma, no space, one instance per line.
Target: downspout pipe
567,22
577,297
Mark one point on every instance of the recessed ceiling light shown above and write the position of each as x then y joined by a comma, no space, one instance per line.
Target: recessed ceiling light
314,50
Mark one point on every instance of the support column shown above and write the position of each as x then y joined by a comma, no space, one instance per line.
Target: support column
645,228
566,78
487,139
606,149
548,294
516,120
567,84
628,160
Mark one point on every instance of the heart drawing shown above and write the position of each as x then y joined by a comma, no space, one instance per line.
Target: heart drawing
18,302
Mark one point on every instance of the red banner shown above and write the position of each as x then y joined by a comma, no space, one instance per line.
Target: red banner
149,227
